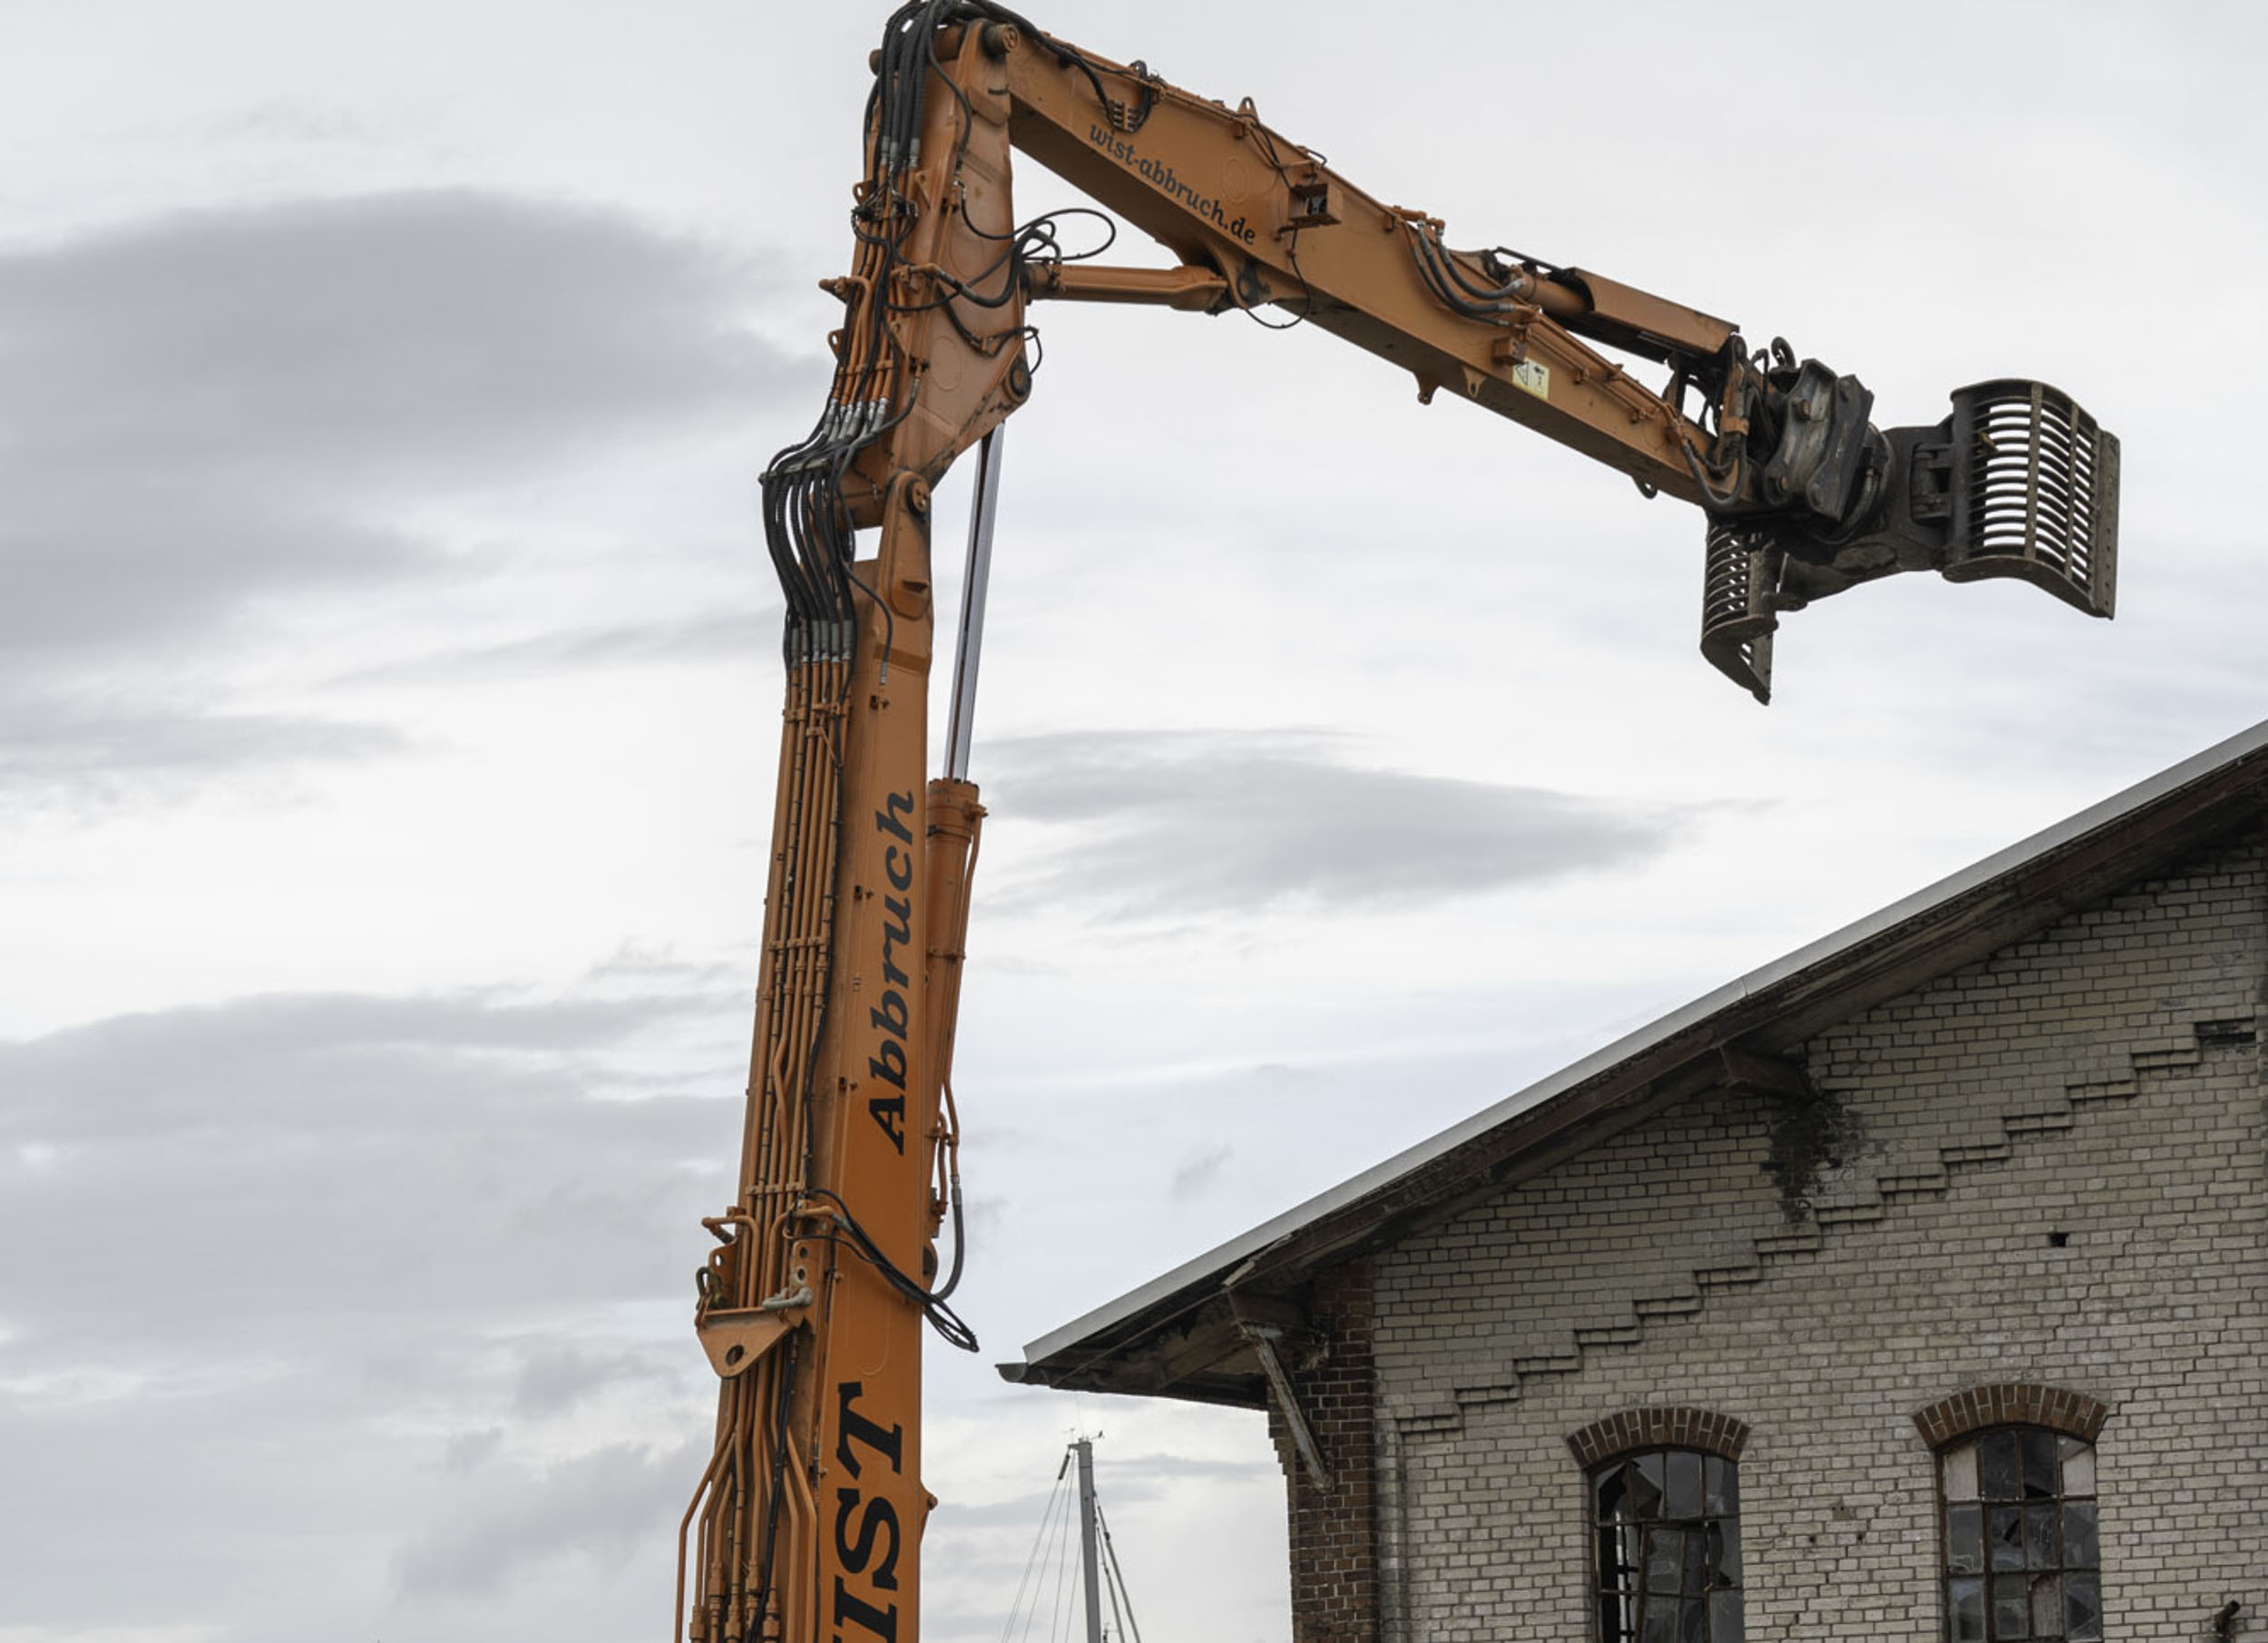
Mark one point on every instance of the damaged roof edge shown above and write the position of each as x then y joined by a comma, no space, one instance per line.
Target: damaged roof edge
1205,1270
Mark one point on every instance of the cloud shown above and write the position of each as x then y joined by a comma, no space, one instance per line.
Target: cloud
652,967
390,1164
1195,1173
604,1505
207,406
204,414
89,751
470,1451
736,634
419,1234
109,1634
1242,822
428,332
556,1375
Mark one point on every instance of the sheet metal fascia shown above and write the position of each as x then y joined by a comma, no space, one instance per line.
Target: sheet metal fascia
1208,1267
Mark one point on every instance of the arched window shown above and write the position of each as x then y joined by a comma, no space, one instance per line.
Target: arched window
2016,1494
1667,1527
1665,1524
2020,1554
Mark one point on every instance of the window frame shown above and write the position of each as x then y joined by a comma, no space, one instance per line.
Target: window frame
1625,1579
2036,1421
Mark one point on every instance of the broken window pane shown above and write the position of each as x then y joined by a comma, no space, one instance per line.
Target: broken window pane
1660,1625
1726,1622
1614,1615
1664,1558
1964,1540
1681,1494
2082,1607
2039,1537
1959,1469
1723,1556
2079,1535
2007,1536
1614,1563
2037,1445
1614,1493
1996,1465
1968,1607
2047,1606
1721,1492
2011,1607
1646,1486
2078,1467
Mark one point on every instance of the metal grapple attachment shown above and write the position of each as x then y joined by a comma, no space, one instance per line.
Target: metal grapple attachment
1738,618
2039,496
2018,482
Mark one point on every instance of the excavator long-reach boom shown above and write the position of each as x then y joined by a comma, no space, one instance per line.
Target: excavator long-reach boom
811,1307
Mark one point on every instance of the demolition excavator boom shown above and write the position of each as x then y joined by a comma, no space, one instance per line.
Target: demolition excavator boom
811,1308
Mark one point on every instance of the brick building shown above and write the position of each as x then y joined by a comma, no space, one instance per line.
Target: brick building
1914,1286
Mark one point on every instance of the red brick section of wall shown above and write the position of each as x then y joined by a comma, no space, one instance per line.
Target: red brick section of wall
1334,1531
1659,1427
2010,1404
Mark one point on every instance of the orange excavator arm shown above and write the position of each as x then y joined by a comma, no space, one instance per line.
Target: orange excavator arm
813,1304
1804,497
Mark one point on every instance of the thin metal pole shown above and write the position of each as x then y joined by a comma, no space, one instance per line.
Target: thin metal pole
972,586
1122,1600
1087,1537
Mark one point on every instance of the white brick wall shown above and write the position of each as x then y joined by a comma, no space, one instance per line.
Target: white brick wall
2059,1087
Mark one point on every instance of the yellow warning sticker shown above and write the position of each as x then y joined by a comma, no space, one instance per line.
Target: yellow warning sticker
1536,378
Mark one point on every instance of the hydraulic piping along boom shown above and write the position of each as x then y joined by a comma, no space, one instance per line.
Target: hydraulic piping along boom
806,1524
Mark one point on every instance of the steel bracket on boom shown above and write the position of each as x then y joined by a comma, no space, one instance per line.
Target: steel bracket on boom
733,1341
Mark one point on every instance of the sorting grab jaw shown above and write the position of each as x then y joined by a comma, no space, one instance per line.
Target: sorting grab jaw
2018,482
2039,499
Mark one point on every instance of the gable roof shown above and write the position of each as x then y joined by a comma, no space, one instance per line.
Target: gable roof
1178,1335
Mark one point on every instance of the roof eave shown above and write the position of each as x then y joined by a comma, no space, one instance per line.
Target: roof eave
1155,1340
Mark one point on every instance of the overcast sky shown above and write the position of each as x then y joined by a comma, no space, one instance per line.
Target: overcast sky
388,699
